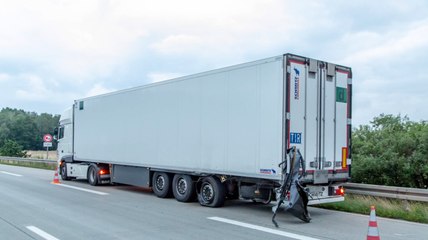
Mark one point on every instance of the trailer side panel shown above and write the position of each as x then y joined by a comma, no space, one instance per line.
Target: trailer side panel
226,121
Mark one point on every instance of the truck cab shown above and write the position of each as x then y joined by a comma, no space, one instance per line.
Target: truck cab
65,136
68,167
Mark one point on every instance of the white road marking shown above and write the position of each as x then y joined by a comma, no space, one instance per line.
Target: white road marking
13,174
41,233
263,229
82,189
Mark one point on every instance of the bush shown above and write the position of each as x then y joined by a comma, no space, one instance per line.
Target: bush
11,148
391,151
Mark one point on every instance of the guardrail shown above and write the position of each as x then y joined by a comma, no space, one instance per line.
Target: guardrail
29,160
412,194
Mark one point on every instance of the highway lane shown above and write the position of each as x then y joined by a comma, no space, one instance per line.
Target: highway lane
124,212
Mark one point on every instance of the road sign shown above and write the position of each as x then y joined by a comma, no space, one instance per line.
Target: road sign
47,144
47,138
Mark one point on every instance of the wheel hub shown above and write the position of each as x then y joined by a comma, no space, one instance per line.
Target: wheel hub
181,186
160,183
207,192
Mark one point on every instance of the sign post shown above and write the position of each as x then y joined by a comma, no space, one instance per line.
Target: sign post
47,142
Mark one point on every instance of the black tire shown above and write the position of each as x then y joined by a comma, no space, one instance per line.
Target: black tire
183,188
93,175
63,172
161,184
211,192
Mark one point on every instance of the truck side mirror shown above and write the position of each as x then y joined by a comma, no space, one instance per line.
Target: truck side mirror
55,133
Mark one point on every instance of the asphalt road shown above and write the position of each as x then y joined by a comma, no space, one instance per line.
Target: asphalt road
33,208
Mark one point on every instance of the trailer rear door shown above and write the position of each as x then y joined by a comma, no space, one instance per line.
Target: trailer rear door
318,115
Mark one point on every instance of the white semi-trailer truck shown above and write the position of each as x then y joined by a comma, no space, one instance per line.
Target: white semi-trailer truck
217,135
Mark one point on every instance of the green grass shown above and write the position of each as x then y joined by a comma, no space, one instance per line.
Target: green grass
29,164
389,208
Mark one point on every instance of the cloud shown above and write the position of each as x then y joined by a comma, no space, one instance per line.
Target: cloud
388,45
71,49
178,44
80,38
32,89
386,65
4,77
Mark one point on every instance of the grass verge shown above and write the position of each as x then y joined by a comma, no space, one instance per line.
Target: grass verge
48,166
389,208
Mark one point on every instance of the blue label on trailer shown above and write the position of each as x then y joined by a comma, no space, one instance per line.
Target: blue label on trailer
295,137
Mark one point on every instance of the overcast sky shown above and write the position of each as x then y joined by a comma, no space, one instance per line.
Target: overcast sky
52,52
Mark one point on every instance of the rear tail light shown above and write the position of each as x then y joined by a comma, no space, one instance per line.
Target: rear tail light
340,191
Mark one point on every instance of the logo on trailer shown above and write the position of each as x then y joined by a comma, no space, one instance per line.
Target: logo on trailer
267,171
296,83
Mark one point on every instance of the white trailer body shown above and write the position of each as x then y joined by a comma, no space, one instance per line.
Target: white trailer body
232,122
227,121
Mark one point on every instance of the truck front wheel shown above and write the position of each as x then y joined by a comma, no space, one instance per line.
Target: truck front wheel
63,172
183,188
93,175
211,192
161,184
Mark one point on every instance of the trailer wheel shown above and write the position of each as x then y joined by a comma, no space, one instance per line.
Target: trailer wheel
211,192
93,176
183,188
161,184
63,172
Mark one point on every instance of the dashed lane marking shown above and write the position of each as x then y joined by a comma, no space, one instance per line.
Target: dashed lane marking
263,229
81,189
41,233
12,174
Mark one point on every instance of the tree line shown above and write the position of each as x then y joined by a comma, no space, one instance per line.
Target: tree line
21,130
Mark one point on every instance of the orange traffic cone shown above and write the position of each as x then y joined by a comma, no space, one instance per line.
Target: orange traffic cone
56,178
373,232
